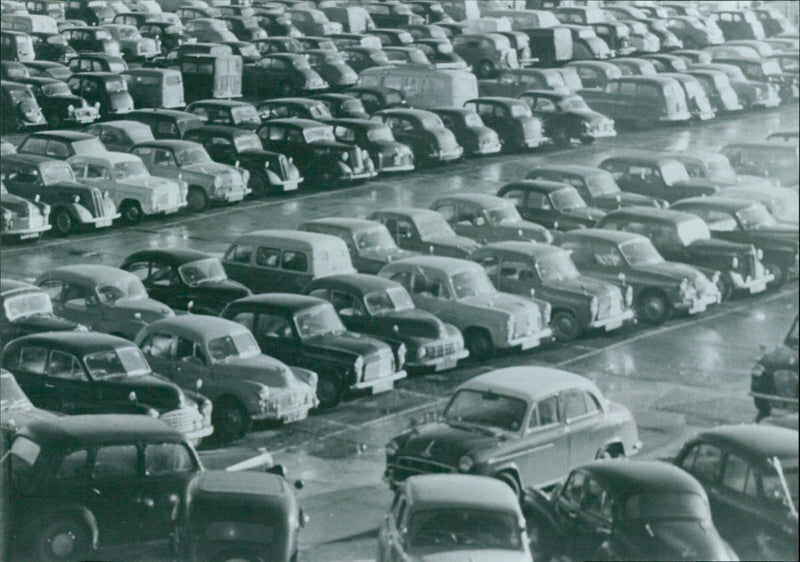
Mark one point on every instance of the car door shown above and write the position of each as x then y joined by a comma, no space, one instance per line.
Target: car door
79,303
159,161
737,498
538,208
71,389
29,365
220,149
275,335
167,468
581,413
546,445
351,310
433,293
594,518
406,234
470,221
516,276
190,364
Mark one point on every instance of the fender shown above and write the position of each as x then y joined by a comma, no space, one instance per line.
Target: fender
73,509
74,209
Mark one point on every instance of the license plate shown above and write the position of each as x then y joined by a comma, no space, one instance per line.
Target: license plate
698,306
170,211
382,386
446,363
291,186
295,416
238,196
528,344
613,325
102,222
28,235
758,287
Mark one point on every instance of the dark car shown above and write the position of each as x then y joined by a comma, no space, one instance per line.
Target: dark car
19,108
383,309
424,231
773,380
270,172
60,144
511,119
750,475
59,105
51,47
26,309
108,469
392,14
282,74
22,219
105,88
766,71
320,158
169,35
332,67
97,62
16,409
226,112
748,222
185,279
274,45
276,24
166,123
616,35
738,24
377,139
91,40
469,130
660,287
553,204
586,45
377,98
422,131
10,70
595,74
773,21
685,238
566,116
440,53
643,510
692,32
360,58
244,49
511,83
245,29
307,332
47,69
343,106
304,108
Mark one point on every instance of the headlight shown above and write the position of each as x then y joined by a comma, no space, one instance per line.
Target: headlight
629,295
152,413
263,393
758,370
217,181
421,352
465,463
734,262
594,306
70,109
205,408
345,156
358,366
759,254
401,355
392,447
684,286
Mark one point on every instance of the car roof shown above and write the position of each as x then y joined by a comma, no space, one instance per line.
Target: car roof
535,250
295,100
123,124
64,134
296,237
448,266
296,122
177,113
359,283
460,491
755,440
545,186
496,99
625,479
222,483
284,301
529,382
221,130
96,273
107,157
356,122
77,342
69,432
642,155
570,168
197,327
664,216
613,236
729,204
479,199
346,222
413,212
177,256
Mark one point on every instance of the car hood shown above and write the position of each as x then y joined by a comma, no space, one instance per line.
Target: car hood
210,168
262,369
152,390
623,199
583,285
36,323
347,342
670,270
152,183
446,442
415,322
502,302
469,555
684,540
780,357
591,214
385,255
150,309
714,247
17,205
460,242
526,229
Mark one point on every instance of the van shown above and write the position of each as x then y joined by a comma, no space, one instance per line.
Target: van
550,46
285,260
29,23
16,46
641,99
353,19
524,20
487,25
207,76
155,87
424,88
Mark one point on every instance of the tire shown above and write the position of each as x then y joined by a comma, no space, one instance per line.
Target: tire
653,307
59,537
131,212
479,343
613,451
565,326
329,391
725,286
231,420
780,273
285,88
561,138
63,223
484,70
259,184
197,199
511,481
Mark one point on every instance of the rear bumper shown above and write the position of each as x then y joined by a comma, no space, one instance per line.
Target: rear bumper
381,384
528,342
757,285
613,322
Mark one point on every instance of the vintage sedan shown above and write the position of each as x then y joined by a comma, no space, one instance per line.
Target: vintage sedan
644,510
59,105
22,219
778,162
343,106
226,112
469,130
750,93
47,69
166,123
721,95
16,409
424,231
660,287
556,205
595,74
26,309
767,72
331,66
457,516
511,119
377,98
270,172
716,167
120,135
693,32
460,292
107,89
304,108
527,426
511,83
280,74
132,44
60,144
223,358
362,57
72,204
129,184
97,62
104,298
697,100
750,475
579,302
209,182
90,373
781,202
773,380
307,332
384,309
739,220
422,131
369,242
486,218
685,238
566,117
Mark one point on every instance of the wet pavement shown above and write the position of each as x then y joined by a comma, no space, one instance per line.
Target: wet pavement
687,374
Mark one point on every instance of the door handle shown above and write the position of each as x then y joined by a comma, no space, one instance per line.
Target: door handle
47,385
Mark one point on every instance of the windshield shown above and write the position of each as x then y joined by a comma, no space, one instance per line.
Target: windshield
390,300
673,172
719,169
600,184
128,33
352,106
319,134
239,344
691,230
473,120
503,215
433,225
433,122
123,362
455,529
116,85
20,95
567,199
376,239
88,146
573,103
56,89
557,267
520,110
487,409
194,155
245,114
380,134
57,173
318,321
11,395
640,252
129,287
202,271
129,169
249,51
246,142
667,506
27,304
473,283
755,217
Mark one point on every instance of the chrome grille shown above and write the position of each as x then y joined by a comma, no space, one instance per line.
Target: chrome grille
183,420
610,306
419,466
440,349
284,167
168,197
525,323
97,199
378,366
356,162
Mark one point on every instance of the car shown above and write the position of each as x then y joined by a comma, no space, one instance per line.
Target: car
211,30
270,172
486,218
307,332
552,204
59,106
60,144
284,44
717,86
440,53
377,98
105,299
693,32
578,302
22,219
697,100
392,14
781,202
773,380
281,74
226,112
321,159
594,74
424,231
105,88
511,83
97,62
566,116
749,472
716,167
773,21
684,237
304,108
51,47
243,383
48,69
739,220
91,39
377,139
738,24
369,243
20,110
393,37
750,93
459,515
100,464
132,44
360,58
166,123
244,49
244,28
332,67
26,309
660,287
383,309
168,35
121,135
597,187
422,131
342,106
209,182
313,22
625,511
15,407
469,129
73,206
767,72
526,426
512,119
322,43
460,292
779,162
407,56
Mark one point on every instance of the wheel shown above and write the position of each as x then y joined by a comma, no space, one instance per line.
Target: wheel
286,88
63,222
60,537
779,272
479,343
725,286
561,137
131,212
259,184
485,69
565,326
197,200
231,419
653,307
510,481
329,391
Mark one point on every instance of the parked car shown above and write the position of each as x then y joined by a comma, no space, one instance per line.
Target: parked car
281,74
392,14
517,409
344,106
132,44
595,74
424,231
58,105
120,135
635,66
586,45
313,22
360,58
750,475
511,83
461,293
167,35
512,119
20,110
210,30
353,19
377,139
487,53
155,87
377,98
683,237
660,287
244,28
767,72
617,36
750,93
553,204
566,116
304,108
697,101
715,167
91,39
209,182
422,131
773,21
307,331
166,123
643,100
693,32
407,56
15,407
718,89
765,159
226,112
26,310
22,219
463,516
469,130
47,69
781,202
332,67
72,205
108,89
773,380
272,45
738,24
60,144
645,510
440,53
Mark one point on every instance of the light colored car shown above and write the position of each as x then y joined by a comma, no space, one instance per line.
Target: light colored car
423,230
105,299
131,43
454,517
129,184
527,426
459,292
781,202
224,357
23,219
121,135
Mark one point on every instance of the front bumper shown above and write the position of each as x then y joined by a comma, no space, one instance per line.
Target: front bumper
31,229
82,116
448,155
381,384
232,195
679,116
528,342
102,222
491,148
599,133
169,209
285,415
356,176
288,185
698,303
752,285
439,363
613,322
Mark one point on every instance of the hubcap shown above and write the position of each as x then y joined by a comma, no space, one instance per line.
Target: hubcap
64,222
565,327
654,309
326,391
62,544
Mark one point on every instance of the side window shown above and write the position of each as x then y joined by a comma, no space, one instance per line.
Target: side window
606,255
33,360
54,289
707,462
405,229
294,261
627,88
273,326
167,458
163,157
648,92
160,346
687,463
490,264
545,413
516,271
573,489
546,105
140,269
432,288
664,237
35,145
246,319
65,366
239,253
345,304
186,348
447,211
538,201
572,404
404,278
515,195
73,466
95,171
738,477
115,462
268,257
592,403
